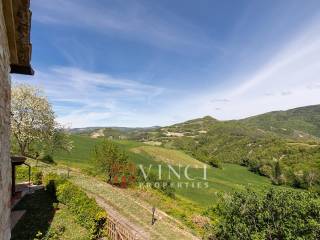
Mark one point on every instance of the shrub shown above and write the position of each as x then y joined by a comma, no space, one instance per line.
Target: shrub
276,214
214,162
86,210
266,170
51,181
36,176
47,158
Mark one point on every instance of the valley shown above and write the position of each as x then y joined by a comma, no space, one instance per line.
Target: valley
201,163
229,178
289,139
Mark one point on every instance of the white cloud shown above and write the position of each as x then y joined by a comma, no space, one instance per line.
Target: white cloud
83,98
291,78
137,21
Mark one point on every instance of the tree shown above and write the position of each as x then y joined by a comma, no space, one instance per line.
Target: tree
109,159
60,140
32,117
278,177
273,214
311,177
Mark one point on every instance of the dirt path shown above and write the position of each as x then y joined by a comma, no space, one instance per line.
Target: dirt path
131,212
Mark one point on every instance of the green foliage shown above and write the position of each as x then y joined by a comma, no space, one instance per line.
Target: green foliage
22,174
51,181
294,123
59,142
87,212
234,142
47,158
278,178
44,222
277,214
36,176
108,158
266,170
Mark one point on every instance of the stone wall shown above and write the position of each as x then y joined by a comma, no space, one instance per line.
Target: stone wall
5,163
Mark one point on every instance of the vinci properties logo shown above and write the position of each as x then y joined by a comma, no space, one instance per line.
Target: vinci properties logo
159,176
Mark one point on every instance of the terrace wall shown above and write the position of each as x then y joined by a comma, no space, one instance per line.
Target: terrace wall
5,163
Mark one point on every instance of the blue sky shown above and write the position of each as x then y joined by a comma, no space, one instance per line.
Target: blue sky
158,62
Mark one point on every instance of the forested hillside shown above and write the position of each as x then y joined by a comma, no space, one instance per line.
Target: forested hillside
282,145
296,123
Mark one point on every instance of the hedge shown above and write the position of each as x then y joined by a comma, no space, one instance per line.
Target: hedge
51,181
87,213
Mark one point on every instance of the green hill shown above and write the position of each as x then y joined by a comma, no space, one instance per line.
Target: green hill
283,141
229,178
282,145
303,122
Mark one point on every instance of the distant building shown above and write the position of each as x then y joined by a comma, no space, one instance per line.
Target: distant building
202,131
15,55
174,134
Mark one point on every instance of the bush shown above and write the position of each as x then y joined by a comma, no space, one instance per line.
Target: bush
47,158
276,214
51,181
36,176
214,162
266,170
86,210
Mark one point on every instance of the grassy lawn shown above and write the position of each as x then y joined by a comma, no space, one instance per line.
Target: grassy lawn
41,220
131,205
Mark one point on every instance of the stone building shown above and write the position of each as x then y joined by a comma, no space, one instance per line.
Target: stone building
15,54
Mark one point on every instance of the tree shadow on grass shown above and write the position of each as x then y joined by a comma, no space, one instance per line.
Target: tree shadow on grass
38,216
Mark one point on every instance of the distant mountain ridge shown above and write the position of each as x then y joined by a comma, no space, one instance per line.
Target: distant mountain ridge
282,145
299,123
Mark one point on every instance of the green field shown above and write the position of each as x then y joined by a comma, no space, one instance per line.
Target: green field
228,179
81,154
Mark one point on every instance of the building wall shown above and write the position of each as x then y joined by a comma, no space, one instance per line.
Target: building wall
5,163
